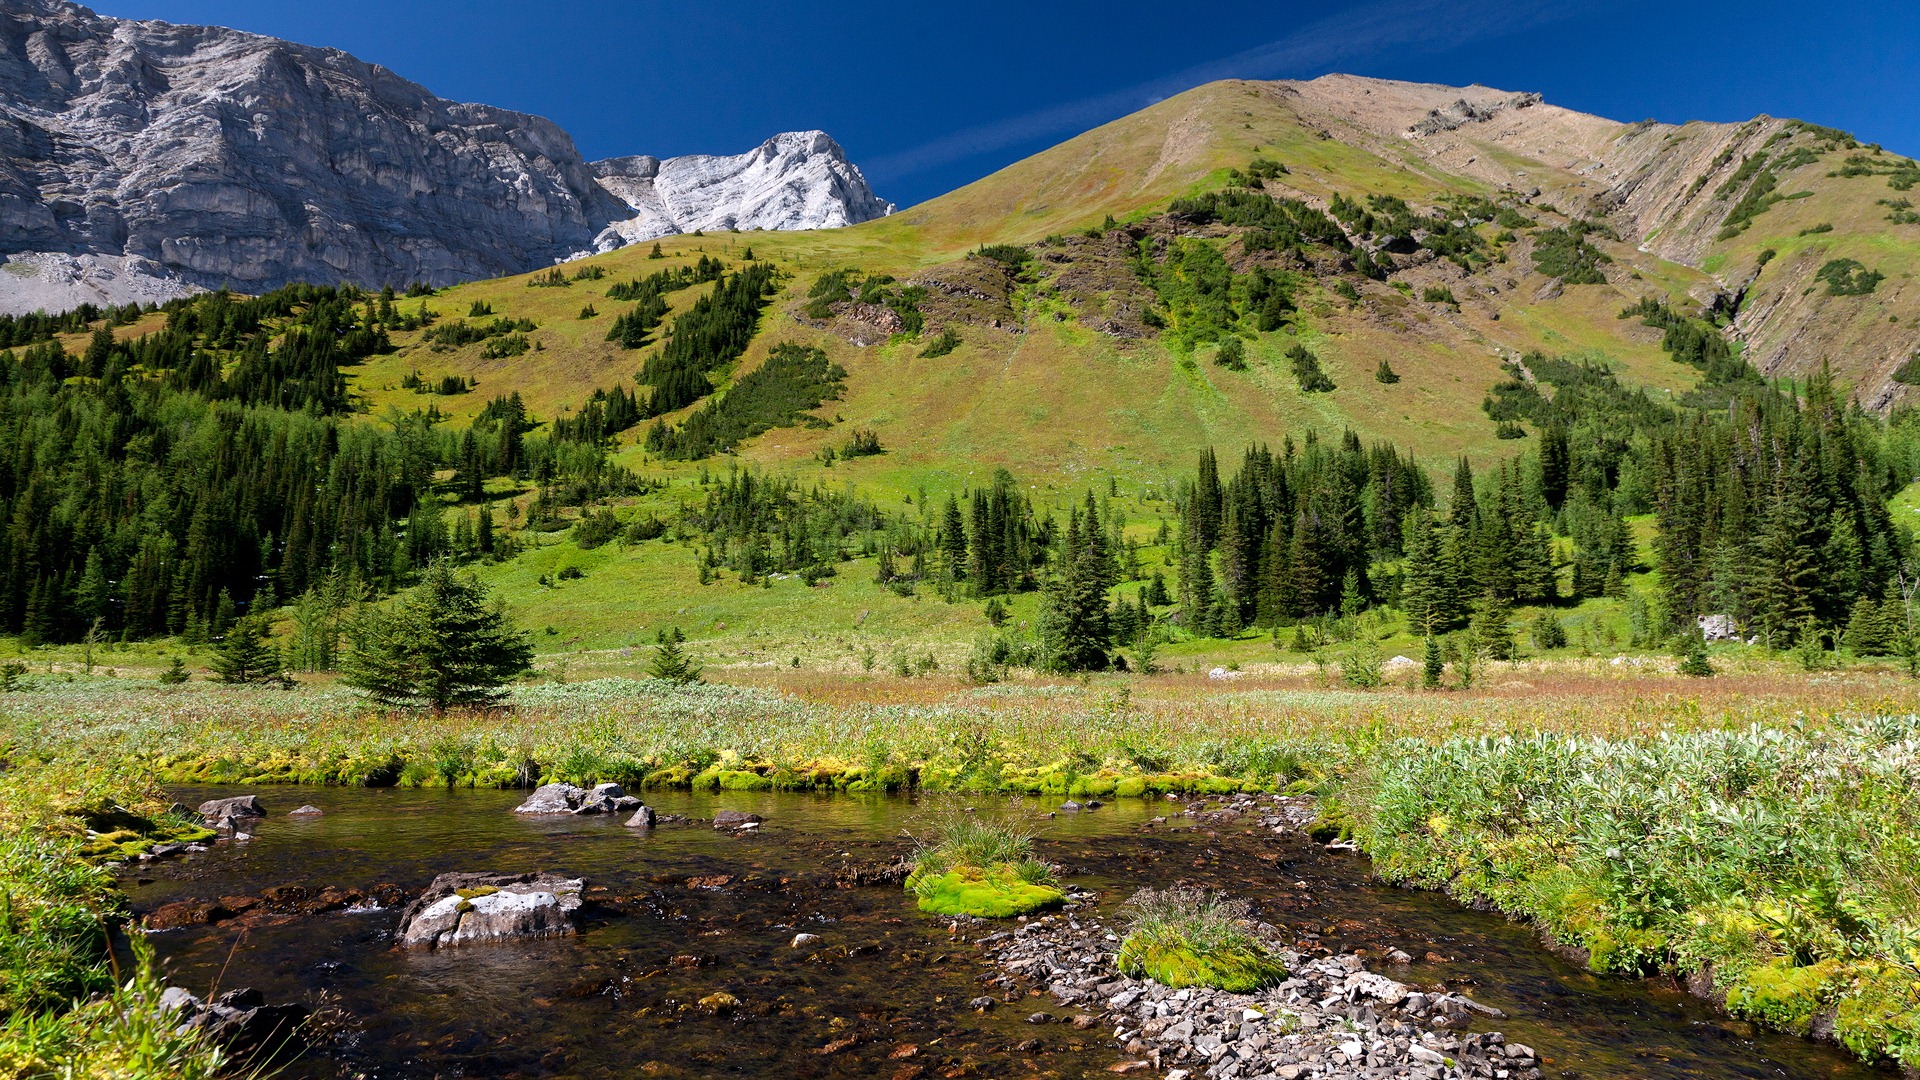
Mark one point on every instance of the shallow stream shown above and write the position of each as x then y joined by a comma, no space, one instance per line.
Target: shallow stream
689,911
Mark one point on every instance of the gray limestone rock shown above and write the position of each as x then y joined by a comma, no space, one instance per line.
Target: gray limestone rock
144,160
221,812
463,909
552,799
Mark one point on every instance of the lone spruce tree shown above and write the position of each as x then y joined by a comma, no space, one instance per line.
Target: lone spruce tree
245,655
671,662
444,643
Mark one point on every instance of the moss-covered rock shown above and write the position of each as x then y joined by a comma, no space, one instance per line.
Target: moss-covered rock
998,893
1179,965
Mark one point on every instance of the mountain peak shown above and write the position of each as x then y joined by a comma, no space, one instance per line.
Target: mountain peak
794,180
362,176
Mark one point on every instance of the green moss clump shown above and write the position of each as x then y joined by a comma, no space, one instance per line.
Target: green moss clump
1786,995
985,894
1179,965
982,868
1187,937
475,892
743,780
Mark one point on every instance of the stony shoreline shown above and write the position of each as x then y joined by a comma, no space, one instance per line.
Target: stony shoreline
1332,1018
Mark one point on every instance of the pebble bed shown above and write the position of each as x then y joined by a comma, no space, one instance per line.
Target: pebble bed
1331,1018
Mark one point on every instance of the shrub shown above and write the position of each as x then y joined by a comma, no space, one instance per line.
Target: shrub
1565,254
1360,663
1548,633
1186,937
1011,254
1232,354
1847,277
596,527
1385,373
942,344
1693,657
1307,371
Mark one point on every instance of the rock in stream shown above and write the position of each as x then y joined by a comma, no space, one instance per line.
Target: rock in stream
570,799
464,909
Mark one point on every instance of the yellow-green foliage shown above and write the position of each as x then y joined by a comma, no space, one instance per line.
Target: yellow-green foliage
1781,857
1786,995
981,867
61,1013
1186,937
988,894
1177,965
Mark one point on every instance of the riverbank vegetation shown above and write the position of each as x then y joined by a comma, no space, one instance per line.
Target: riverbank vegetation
1779,865
1188,937
68,1007
1758,822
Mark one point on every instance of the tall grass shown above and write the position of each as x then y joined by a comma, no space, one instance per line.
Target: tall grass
1784,861
980,843
62,1011
1191,937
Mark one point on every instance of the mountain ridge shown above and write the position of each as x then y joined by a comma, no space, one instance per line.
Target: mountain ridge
227,158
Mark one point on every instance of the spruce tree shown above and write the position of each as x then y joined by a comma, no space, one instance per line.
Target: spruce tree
671,662
244,655
1556,465
1693,657
1206,503
1491,632
1423,588
1464,512
444,643
1435,665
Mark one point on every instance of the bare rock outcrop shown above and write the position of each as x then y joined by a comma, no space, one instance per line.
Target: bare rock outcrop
140,160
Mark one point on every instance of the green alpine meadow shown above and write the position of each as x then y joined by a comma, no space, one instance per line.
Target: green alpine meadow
1326,578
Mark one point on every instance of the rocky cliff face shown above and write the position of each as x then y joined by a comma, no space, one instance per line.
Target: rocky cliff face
143,158
799,180
1812,196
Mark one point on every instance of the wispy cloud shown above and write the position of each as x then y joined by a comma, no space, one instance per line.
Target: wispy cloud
1419,25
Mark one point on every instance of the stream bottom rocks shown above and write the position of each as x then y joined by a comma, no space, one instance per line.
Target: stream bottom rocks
1331,1018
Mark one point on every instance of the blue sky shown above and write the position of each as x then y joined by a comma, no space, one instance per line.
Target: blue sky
927,97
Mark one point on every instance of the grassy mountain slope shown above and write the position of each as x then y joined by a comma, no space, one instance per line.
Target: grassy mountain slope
1715,197
1062,377
1046,391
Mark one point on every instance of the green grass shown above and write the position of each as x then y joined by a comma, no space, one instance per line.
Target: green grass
1186,937
1785,861
65,1009
981,867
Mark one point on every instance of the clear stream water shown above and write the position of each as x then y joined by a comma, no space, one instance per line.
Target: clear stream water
612,1000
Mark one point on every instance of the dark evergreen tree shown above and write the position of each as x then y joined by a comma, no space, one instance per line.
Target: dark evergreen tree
244,655
444,643
670,661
